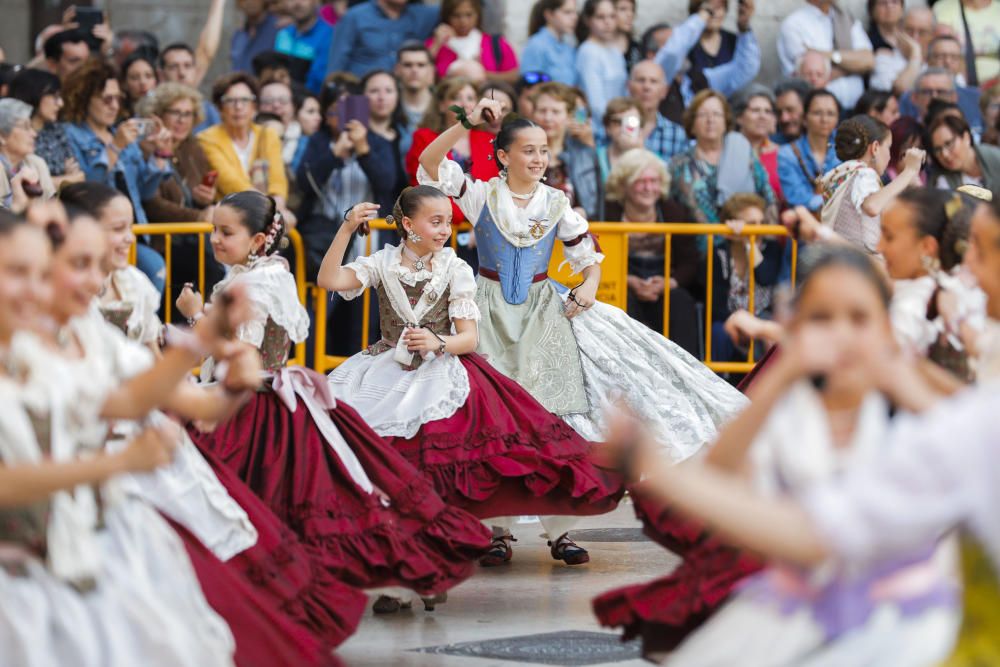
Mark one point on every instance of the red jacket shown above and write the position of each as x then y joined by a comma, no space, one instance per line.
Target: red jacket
483,163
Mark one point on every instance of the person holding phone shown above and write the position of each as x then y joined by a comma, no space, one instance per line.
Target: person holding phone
110,153
623,123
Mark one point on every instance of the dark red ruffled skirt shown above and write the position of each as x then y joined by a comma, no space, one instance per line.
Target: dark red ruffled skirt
264,635
503,454
416,542
664,611
280,567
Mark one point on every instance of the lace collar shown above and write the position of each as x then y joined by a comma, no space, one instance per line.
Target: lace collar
408,276
524,227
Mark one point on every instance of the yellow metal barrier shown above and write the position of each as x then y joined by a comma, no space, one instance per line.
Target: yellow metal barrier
169,229
613,290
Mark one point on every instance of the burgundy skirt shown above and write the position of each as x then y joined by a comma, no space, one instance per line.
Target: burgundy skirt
503,454
280,567
666,610
264,635
416,541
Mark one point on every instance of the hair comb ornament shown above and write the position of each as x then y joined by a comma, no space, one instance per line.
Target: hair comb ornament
975,191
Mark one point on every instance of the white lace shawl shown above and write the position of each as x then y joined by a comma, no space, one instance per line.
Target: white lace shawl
448,271
522,227
270,286
137,291
795,451
908,314
842,212
72,550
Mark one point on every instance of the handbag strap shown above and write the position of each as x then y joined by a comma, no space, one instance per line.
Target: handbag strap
817,187
972,78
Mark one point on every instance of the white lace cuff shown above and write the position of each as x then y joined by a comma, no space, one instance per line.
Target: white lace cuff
463,309
582,255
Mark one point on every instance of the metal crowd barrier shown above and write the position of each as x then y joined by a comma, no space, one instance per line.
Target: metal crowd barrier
169,229
613,238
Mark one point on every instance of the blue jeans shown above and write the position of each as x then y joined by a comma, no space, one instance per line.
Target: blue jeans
151,263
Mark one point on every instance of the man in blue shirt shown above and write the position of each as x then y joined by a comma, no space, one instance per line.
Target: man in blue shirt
368,35
256,36
307,39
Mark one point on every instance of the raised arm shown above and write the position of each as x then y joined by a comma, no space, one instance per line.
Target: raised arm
208,42
437,150
332,274
23,484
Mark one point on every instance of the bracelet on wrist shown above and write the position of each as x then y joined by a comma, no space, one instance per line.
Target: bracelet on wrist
462,117
194,318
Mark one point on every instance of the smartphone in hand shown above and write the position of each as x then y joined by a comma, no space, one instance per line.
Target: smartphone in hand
88,18
208,180
353,107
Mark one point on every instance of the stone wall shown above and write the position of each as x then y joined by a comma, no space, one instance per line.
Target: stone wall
174,20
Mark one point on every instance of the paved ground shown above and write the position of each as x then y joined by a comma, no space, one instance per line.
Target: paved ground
533,595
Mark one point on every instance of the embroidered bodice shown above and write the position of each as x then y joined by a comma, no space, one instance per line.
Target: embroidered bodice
429,297
516,266
117,314
27,525
275,346
512,241
436,319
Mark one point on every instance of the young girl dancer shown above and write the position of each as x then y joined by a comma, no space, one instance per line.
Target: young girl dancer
922,245
128,300
570,352
90,575
91,360
795,437
486,443
366,514
853,194
216,509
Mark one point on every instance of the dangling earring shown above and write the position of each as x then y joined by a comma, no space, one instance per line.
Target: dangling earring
503,174
413,236
253,255
930,264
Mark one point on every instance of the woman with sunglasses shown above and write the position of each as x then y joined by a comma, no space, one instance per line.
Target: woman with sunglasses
109,151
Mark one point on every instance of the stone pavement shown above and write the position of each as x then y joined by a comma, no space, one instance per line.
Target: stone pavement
533,611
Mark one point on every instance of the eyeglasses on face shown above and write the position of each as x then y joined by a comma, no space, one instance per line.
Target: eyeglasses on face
111,99
238,101
178,114
946,147
935,92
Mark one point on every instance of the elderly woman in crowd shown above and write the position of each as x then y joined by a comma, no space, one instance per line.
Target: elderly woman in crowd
110,153
803,162
41,91
246,156
183,195
623,122
573,166
187,192
637,192
24,175
757,120
957,160
716,167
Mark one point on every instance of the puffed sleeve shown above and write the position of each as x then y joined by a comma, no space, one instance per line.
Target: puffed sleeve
252,331
366,271
462,294
469,194
578,244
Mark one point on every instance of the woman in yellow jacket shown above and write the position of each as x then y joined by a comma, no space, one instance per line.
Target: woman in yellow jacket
246,156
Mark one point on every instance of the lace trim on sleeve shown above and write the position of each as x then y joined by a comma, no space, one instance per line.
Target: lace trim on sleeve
364,268
583,254
463,309
451,178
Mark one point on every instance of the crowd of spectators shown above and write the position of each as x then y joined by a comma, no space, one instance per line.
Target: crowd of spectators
327,104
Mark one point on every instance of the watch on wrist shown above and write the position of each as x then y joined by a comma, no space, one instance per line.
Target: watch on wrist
836,58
